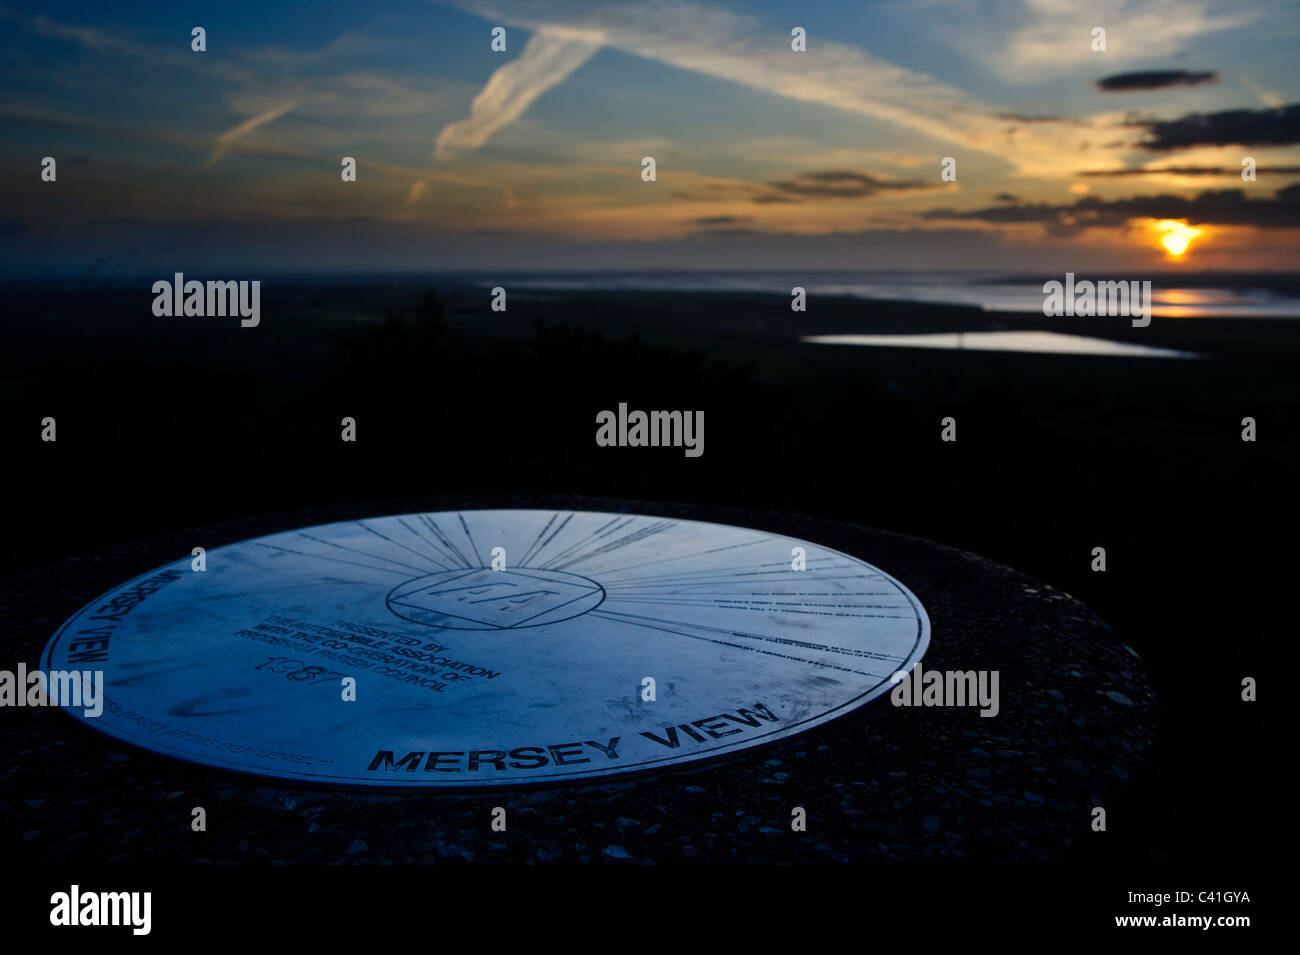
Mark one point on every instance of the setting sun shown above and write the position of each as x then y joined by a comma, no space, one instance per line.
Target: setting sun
1176,236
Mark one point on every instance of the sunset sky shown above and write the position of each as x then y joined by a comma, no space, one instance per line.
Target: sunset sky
472,159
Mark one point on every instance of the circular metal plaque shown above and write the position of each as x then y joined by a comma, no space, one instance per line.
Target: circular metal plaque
493,647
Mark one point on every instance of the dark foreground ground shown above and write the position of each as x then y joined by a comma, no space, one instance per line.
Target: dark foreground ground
166,425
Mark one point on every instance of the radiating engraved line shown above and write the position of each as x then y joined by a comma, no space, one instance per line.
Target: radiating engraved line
465,528
440,551
747,575
603,534
554,534
827,611
362,525
724,573
689,574
739,646
612,526
444,540
559,530
594,535
766,638
363,553
337,560
633,538
425,541
540,534
715,550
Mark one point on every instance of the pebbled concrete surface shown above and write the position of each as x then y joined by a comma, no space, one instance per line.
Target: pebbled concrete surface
880,784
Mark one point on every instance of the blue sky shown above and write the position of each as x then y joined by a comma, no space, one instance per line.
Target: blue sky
531,158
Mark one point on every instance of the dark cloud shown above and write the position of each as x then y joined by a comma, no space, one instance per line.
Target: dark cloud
1244,127
1154,80
1005,197
830,184
1191,171
1033,118
721,220
1225,207
840,184
716,191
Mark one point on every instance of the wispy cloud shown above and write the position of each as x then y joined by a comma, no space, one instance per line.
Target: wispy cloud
549,57
85,36
121,44
230,136
751,137
418,190
142,134
715,42
1269,98
1054,35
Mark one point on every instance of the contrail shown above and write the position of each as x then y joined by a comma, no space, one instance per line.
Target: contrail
548,58
247,126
